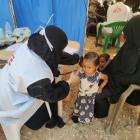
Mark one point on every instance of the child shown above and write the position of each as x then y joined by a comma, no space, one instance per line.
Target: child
104,60
89,79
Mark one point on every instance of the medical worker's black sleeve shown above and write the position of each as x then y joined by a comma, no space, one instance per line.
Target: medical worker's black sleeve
68,59
47,91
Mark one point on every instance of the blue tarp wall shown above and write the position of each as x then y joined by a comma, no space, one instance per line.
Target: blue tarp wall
5,13
70,15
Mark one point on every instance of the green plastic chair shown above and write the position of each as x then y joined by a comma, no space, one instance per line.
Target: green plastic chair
117,28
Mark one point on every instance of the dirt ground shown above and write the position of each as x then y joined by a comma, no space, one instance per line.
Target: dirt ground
93,131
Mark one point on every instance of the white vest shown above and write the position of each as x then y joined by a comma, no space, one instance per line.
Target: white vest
23,69
118,12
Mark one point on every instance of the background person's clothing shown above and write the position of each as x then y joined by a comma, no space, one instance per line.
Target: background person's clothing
118,12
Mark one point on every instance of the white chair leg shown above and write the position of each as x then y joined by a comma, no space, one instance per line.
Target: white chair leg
12,132
110,117
48,108
136,133
60,104
60,108
118,109
137,116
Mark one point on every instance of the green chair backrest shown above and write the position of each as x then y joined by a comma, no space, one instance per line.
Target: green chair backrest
117,28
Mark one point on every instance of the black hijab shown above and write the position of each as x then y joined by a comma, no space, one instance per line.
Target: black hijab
127,59
124,69
57,38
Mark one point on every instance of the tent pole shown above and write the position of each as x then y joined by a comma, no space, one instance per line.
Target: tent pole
12,13
86,23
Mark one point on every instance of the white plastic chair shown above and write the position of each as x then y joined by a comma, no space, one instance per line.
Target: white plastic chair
12,126
60,103
114,113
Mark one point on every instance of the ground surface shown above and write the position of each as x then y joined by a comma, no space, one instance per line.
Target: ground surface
92,131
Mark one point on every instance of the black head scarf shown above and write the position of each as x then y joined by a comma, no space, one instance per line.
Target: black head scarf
124,69
127,59
39,45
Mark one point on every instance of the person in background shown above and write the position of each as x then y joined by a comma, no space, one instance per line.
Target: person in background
104,60
115,13
118,12
134,4
106,4
99,15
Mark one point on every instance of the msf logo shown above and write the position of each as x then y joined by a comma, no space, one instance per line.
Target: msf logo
10,60
117,10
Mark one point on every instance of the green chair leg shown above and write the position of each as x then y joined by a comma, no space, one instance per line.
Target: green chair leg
117,45
106,43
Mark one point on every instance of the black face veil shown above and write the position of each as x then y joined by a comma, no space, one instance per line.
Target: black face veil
57,38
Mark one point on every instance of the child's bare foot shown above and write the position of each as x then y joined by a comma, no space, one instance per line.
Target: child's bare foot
69,122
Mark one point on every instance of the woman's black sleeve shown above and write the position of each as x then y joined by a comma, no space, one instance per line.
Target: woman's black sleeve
47,91
133,78
130,79
68,59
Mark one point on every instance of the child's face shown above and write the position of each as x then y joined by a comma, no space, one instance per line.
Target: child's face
88,67
102,62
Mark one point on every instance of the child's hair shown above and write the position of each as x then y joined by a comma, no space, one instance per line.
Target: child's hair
105,56
92,56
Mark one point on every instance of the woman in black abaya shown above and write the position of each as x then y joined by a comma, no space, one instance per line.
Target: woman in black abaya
123,71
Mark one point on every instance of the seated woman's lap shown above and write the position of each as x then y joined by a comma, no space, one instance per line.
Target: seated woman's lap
102,103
